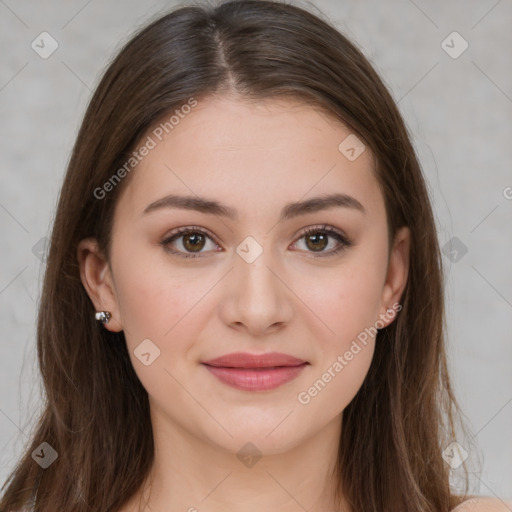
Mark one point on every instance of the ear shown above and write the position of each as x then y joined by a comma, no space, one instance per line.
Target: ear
397,273
96,276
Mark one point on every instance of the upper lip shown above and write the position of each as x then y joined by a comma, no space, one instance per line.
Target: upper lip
246,360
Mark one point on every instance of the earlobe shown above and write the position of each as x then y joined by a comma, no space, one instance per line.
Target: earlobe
397,273
96,278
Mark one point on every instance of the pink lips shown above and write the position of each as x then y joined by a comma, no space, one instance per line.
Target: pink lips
251,372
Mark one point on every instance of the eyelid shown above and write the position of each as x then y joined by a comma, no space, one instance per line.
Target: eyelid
327,228
191,229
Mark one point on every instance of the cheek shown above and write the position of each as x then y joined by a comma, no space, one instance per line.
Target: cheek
155,300
344,353
162,316
337,383
346,300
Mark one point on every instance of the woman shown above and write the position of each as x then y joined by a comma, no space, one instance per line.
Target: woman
243,303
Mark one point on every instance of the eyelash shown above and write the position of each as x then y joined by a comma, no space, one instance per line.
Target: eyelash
343,241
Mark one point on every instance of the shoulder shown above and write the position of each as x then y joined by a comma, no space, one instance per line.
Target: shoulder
484,504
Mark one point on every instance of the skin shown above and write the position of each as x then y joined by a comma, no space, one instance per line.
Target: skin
255,158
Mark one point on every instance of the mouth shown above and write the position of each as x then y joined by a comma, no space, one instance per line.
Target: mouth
250,372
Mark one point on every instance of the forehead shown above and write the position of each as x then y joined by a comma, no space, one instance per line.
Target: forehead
250,154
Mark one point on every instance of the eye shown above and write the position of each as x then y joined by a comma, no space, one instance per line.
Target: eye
316,240
191,241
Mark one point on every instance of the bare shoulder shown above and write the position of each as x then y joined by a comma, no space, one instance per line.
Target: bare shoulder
484,504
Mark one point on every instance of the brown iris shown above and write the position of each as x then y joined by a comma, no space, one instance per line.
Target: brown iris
193,241
319,241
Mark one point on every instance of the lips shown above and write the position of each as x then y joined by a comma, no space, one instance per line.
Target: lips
252,372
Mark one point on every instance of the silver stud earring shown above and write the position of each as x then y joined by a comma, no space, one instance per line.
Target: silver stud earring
389,311
103,316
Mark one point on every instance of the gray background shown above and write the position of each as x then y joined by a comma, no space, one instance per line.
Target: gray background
458,111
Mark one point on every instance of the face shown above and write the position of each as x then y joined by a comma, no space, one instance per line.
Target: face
256,261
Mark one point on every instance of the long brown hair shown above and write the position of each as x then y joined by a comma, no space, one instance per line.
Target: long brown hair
96,411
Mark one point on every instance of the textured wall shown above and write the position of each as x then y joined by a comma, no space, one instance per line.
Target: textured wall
457,102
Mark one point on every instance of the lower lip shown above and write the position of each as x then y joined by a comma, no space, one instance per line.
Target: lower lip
263,379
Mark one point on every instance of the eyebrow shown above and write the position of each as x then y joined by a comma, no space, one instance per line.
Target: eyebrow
289,211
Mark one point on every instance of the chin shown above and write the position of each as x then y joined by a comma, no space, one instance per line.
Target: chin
271,436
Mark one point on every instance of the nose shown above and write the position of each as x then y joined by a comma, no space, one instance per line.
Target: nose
257,299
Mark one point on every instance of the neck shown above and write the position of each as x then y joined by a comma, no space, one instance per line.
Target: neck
192,474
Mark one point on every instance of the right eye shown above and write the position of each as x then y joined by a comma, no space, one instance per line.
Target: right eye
191,239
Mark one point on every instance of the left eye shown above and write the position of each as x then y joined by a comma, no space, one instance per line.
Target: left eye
317,239
194,240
